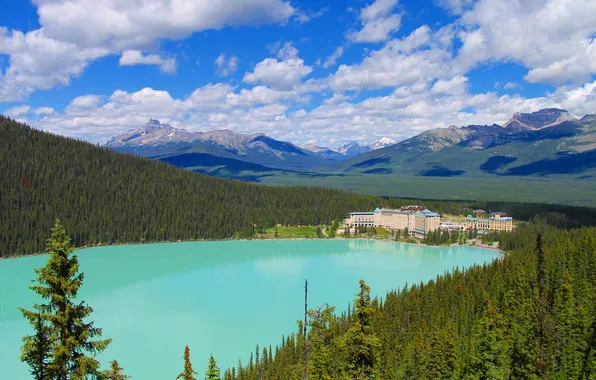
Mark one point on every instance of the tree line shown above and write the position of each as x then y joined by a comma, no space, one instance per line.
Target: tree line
530,315
105,197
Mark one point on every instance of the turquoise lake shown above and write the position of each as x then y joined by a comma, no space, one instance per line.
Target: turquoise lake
222,298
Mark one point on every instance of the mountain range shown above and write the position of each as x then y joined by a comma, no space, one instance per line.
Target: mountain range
550,141
204,150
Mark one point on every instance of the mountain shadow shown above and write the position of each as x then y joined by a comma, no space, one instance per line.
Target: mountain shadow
372,162
440,171
279,145
495,163
190,160
567,164
379,171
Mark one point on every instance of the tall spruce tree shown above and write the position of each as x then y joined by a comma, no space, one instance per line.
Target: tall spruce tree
212,372
189,372
62,347
360,343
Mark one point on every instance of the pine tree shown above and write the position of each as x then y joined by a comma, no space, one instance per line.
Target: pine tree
360,343
37,349
212,372
489,359
569,330
321,364
60,323
189,372
114,373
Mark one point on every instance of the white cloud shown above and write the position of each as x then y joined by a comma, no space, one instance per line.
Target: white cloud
332,59
136,57
400,62
303,16
455,85
287,51
282,75
378,22
554,39
38,62
44,111
510,85
455,6
409,110
18,111
133,24
226,66
74,33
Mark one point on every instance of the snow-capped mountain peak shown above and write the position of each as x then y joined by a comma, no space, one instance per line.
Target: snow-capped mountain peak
383,142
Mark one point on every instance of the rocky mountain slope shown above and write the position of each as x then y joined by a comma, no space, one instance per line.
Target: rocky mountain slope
157,140
549,141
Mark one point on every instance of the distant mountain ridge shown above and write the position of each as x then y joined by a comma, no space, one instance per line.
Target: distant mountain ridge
549,141
162,141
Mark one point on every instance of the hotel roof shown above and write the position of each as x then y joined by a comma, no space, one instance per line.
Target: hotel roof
362,213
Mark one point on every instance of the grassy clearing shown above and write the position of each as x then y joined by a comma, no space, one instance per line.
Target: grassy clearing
307,232
516,189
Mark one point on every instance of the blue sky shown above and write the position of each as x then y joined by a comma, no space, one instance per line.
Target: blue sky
304,71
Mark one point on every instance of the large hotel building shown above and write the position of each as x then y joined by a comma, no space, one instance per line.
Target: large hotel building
496,222
420,220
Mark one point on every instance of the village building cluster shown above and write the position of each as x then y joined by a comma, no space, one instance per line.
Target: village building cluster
418,221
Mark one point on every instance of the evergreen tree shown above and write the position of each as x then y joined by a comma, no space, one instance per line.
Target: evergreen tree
360,343
60,323
321,363
212,372
489,360
37,349
114,373
189,372
569,330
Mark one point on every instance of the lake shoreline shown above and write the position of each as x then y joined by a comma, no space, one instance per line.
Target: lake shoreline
483,246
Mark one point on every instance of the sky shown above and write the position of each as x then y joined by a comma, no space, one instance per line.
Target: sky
306,71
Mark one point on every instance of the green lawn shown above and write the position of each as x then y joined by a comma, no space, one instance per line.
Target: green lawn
291,232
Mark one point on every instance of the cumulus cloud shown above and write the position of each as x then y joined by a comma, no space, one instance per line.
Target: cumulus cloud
378,22
455,85
400,62
131,24
332,59
554,39
74,33
287,51
18,111
226,65
44,111
282,75
136,57
38,62
510,85
409,110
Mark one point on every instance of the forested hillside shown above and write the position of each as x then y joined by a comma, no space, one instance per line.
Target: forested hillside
529,316
107,197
